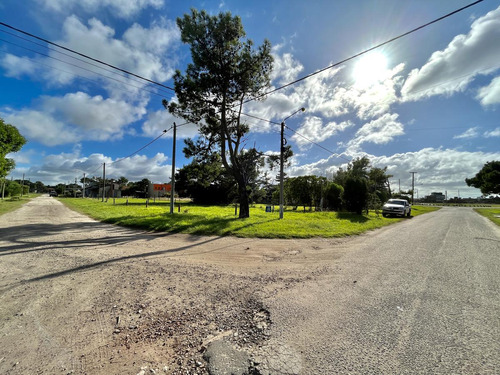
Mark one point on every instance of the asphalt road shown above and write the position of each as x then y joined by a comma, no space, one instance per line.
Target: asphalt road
420,297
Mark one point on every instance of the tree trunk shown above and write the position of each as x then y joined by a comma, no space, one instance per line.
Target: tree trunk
243,200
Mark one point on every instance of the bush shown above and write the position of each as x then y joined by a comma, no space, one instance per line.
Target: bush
13,188
333,196
355,194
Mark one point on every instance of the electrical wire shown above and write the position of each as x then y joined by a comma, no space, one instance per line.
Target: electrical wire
74,58
84,55
77,66
364,51
142,148
259,96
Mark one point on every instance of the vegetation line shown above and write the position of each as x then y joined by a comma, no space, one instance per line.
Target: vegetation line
221,220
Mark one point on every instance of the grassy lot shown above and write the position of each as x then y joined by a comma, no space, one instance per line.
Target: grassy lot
8,204
491,213
221,220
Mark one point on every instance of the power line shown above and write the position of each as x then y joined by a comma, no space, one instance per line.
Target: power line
142,148
84,55
365,51
71,57
316,144
79,67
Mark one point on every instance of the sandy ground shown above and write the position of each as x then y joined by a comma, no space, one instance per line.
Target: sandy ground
82,297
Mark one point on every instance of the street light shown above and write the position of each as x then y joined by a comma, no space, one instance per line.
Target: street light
282,150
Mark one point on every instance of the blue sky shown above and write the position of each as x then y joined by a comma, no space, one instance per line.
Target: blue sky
428,102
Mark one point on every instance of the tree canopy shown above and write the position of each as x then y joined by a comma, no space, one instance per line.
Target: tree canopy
10,141
487,179
225,72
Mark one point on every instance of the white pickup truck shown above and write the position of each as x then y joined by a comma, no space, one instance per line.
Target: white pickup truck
399,207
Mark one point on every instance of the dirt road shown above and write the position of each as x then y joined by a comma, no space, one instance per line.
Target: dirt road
81,297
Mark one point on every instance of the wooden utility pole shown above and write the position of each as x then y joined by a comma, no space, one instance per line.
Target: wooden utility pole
412,185
103,180
172,190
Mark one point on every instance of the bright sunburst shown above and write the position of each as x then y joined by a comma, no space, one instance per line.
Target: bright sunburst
370,69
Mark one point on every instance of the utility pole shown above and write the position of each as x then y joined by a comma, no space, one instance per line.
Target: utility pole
172,190
282,151
412,185
281,167
22,185
103,180
83,191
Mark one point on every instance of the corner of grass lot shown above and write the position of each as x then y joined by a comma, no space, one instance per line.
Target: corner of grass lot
12,204
492,213
222,221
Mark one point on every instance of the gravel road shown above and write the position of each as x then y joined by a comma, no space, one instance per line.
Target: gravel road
421,297
82,297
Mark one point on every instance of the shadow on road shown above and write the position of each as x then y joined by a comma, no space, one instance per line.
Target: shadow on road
20,236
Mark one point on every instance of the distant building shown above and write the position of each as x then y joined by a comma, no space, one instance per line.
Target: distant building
159,190
436,198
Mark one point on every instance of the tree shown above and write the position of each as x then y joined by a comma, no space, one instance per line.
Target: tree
10,141
206,181
225,72
356,194
487,179
333,196
13,188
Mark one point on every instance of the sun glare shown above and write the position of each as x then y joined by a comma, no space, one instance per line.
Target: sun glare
370,69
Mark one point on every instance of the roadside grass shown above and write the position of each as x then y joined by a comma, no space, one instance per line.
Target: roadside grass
222,221
491,213
9,204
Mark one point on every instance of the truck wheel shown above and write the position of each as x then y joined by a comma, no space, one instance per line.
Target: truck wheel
409,213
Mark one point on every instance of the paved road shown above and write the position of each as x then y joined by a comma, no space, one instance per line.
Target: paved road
421,297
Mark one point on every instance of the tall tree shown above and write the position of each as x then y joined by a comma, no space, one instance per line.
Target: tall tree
10,141
487,179
225,72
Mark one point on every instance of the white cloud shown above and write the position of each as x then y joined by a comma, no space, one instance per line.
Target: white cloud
314,130
380,131
97,40
17,66
490,95
453,68
148,52
75,117
41,127
157,39
63,168
121,8
162,120
469,133
285,68
437,169
327,94
492,133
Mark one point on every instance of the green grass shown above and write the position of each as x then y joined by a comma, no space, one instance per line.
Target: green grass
491,213
8,204
221,220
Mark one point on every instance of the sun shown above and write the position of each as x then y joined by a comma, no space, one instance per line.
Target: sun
370,68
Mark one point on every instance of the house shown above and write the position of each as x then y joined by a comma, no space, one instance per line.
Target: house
159,190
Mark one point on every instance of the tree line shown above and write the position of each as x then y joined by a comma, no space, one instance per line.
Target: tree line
356,188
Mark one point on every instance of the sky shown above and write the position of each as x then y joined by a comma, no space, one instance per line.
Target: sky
428,102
